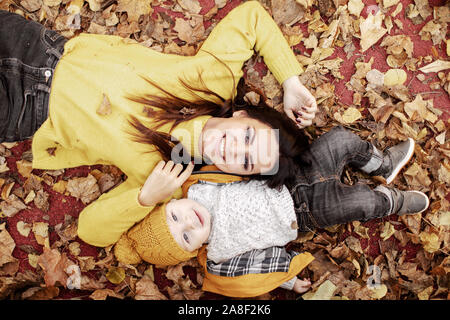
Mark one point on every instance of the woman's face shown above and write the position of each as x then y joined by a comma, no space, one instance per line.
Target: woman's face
240,145
189,223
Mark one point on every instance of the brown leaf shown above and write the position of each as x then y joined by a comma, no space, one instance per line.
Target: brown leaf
102,294
146,289
7,246
38,293
134,9
54,265
41,200
84,189
12,205
105,107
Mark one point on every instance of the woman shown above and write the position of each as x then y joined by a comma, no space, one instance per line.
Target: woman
76,94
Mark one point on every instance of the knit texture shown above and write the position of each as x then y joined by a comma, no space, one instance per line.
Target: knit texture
245,216
151,241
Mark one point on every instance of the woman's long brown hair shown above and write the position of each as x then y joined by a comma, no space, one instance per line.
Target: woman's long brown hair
174,110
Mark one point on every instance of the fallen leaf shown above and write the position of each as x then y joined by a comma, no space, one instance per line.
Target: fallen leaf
7,246
11,206
436,66
394,77
23,228
53,263
105,107
84,189
355,7
134,9
430,241
388,231
146,289
371,30
115,275
102,294
24,167
324,292
40,230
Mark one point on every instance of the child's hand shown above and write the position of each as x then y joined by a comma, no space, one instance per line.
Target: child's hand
299,104
301,286
163,181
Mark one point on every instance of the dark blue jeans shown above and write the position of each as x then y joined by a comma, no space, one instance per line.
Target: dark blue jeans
28,57
320,198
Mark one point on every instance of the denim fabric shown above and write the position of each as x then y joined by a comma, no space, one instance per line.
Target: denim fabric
28,57
320,198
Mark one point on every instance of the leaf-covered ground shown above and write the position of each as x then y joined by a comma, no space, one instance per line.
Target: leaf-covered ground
380,68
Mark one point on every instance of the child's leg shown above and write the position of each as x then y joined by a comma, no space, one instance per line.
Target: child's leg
28,56
332,202
340,147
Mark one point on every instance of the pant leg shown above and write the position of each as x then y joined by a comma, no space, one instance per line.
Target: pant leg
332,202
28,57
340,147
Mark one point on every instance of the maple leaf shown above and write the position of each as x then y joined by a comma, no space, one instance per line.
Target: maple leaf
85,189
134,9
371,30
146,289
54,264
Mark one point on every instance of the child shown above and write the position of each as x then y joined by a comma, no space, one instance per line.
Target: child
244,225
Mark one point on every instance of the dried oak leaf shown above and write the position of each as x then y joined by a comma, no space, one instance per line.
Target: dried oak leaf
287,12
54,265
84,189
7,246
102,294
12,205
41,200
146,289
371,30
134,9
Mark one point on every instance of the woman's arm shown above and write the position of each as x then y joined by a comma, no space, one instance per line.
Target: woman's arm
249,28
103,221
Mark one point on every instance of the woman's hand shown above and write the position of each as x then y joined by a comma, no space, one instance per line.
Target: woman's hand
299,104
164,180
301,286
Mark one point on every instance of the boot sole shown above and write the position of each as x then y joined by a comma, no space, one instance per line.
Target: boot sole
402,163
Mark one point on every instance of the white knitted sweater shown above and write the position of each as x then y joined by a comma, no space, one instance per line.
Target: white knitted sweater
245,216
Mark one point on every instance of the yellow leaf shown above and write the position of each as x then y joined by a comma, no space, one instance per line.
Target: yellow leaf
388,231
394,77
23,228
115,275
355,7
436,66
389,3
378,292
324,292
371,30
24,167
60,186
430,241
40,230
351,115
425,293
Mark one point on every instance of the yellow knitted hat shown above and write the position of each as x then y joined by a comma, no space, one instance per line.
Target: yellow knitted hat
151,240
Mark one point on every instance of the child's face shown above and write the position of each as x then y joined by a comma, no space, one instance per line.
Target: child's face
189,222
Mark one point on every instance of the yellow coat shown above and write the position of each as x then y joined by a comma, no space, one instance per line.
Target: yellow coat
95,68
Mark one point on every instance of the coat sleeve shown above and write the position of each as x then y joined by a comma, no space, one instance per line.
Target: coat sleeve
103,221
253,273
246,29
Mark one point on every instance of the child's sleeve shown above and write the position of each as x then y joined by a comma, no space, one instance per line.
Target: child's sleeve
246,29
103,221
289,285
